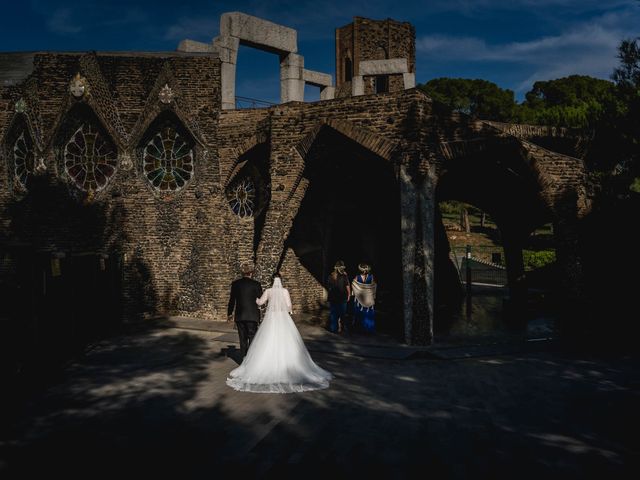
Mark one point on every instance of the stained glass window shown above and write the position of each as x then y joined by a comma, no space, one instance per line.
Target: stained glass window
242,197
168,160
90,158
24,158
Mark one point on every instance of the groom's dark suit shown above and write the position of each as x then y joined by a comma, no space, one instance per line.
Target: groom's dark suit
247,314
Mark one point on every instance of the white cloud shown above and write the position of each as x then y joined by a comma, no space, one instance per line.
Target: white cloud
587,48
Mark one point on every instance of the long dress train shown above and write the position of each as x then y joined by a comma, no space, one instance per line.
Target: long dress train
277,360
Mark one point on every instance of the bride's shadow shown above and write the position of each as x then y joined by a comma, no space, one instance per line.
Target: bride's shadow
233,353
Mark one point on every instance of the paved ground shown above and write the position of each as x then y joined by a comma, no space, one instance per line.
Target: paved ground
156,402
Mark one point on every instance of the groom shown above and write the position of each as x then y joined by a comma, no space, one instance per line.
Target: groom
244,293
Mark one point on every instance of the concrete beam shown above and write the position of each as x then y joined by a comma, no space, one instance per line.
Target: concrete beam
191,46
383,67
318,79
259,33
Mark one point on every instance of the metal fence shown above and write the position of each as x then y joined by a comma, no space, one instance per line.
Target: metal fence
246,102
485,265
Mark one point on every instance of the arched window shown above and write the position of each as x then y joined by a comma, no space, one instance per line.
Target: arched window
348,69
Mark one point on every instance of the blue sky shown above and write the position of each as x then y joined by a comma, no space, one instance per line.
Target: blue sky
510,42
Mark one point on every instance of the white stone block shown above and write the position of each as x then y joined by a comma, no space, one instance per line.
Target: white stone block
292,66
318,79
192,46
383,67
259,33
228,87
357,85
328,93
409,80
227,48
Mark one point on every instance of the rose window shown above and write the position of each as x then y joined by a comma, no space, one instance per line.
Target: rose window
89,159
168,160
24,158
242,198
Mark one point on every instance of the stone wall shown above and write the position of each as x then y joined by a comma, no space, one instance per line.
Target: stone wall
367,39
181,250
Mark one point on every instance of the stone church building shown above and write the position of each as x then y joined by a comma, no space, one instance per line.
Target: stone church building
131,185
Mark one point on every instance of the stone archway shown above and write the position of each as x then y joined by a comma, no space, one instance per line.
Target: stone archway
350,211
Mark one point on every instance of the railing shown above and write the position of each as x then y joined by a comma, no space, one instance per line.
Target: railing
485,265
246,102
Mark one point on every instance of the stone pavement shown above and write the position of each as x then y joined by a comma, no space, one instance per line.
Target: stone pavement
155,402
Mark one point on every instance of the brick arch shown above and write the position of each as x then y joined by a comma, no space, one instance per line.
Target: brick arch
238,151
370,140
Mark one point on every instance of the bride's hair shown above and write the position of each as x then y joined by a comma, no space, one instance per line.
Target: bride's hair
276,275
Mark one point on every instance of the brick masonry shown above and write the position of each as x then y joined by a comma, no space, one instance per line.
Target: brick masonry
182,250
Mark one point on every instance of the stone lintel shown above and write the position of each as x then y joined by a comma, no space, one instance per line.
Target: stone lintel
318,79
259,33
383,67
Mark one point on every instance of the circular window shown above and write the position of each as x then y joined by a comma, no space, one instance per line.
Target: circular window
90,159
168,160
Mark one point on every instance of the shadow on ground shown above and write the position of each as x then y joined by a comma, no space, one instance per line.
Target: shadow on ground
156,402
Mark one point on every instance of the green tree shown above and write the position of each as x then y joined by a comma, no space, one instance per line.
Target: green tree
576,101
478,98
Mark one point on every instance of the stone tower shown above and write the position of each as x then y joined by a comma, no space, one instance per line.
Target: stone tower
375,56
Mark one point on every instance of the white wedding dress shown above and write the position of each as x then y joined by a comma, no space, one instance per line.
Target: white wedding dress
277,360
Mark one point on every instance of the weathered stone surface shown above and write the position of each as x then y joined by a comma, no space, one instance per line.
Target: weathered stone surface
383,67
193,46
259,33
181,250
317,78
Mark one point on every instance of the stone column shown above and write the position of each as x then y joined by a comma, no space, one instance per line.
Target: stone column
357,85
291,78
408,209
227,47
427,202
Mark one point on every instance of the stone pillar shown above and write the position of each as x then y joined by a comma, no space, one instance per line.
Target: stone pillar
357,85
408,209
291,78
227,47
427,202
417,215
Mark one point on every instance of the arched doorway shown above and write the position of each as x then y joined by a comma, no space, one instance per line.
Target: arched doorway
499,183
351,211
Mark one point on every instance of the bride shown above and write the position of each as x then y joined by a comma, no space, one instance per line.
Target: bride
277,360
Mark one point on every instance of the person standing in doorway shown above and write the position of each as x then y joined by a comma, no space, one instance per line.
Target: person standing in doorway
242,301
339,291
364,298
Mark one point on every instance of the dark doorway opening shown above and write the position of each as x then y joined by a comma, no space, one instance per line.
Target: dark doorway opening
351,212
